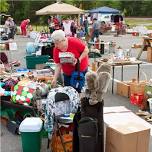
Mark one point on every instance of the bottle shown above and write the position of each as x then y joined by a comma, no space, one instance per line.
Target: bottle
97,44
110,47
102,47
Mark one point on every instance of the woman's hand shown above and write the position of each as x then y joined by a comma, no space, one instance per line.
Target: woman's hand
74,61
53,83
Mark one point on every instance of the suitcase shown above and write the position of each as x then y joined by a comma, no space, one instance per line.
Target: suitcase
96,113
88,134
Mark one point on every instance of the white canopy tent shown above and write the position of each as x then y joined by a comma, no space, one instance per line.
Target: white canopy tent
59,8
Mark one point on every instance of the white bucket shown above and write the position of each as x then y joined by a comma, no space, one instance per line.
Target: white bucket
150,104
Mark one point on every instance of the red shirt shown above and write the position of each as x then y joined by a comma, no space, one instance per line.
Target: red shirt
76,47
24,23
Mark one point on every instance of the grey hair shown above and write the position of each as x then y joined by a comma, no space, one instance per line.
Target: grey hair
58,35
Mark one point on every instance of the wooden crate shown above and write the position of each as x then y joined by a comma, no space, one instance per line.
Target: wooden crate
123,88
136,87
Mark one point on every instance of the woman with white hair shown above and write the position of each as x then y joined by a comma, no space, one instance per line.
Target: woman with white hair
63,47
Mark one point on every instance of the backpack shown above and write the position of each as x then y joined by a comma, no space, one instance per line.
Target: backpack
77,78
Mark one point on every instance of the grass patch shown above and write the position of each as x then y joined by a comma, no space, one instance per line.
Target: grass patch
40,28
149,27
139,21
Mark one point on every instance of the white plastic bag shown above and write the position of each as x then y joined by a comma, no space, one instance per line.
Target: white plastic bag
13,46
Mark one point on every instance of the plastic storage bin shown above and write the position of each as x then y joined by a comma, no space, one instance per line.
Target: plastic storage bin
32,60
30,129
136,99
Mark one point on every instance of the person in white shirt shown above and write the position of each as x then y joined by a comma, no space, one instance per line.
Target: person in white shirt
67,27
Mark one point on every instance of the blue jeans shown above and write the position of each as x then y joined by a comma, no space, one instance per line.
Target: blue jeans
95,34
67,79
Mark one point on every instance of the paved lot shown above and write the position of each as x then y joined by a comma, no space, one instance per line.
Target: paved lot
12,143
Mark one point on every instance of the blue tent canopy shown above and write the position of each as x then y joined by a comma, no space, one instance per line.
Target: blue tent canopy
104,10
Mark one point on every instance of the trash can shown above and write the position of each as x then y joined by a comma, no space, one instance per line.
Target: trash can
30,129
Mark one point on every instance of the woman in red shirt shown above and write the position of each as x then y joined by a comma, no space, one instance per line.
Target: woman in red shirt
24,25
69,45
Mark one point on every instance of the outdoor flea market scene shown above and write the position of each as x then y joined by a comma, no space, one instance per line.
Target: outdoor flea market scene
76,76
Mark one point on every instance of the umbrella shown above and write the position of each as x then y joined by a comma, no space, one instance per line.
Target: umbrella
59,9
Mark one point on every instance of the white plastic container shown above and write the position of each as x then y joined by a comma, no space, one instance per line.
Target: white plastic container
30,129
150,104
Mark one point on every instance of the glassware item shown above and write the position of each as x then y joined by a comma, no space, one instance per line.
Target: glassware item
112,46
94,67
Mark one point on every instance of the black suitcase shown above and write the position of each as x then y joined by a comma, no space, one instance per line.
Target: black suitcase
88,134
96,113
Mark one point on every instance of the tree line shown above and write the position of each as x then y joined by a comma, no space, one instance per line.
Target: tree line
21,9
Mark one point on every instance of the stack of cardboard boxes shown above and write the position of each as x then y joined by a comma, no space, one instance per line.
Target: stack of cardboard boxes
130,87
126,132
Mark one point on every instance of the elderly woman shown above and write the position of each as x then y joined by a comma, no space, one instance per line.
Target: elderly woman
63,47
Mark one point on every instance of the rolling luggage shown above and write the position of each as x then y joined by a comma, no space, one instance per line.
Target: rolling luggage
88,134
90,127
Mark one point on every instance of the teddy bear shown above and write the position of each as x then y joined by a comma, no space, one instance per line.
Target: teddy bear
97,83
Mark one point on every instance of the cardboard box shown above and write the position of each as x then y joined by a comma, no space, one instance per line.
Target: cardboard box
125,131
123,88
40,66
138,88
130,137
149,54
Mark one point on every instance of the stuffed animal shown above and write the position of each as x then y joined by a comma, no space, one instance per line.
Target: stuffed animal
97,83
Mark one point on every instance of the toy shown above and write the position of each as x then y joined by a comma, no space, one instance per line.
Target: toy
97,83
3,92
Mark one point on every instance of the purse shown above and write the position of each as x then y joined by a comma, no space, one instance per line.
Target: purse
77,78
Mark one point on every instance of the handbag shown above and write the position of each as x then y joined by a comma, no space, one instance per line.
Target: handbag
77,78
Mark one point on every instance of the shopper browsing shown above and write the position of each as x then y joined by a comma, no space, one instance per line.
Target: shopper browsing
68,45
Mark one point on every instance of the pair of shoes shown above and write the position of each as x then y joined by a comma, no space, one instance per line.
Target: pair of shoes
142,113
148,118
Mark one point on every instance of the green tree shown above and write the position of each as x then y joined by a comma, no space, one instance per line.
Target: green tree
4,6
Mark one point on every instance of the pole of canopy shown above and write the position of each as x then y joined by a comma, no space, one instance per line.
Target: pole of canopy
78,19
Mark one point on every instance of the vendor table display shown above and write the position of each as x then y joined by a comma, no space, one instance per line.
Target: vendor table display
147,42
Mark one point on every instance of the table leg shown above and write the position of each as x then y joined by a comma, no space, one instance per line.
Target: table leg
113,75
140,52
138,72
122,73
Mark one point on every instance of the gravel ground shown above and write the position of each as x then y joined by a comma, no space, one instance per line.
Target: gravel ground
12,143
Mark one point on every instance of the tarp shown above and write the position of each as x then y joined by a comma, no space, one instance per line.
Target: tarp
59,8
104,10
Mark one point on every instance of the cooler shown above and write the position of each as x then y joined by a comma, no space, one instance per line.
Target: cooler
30,129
